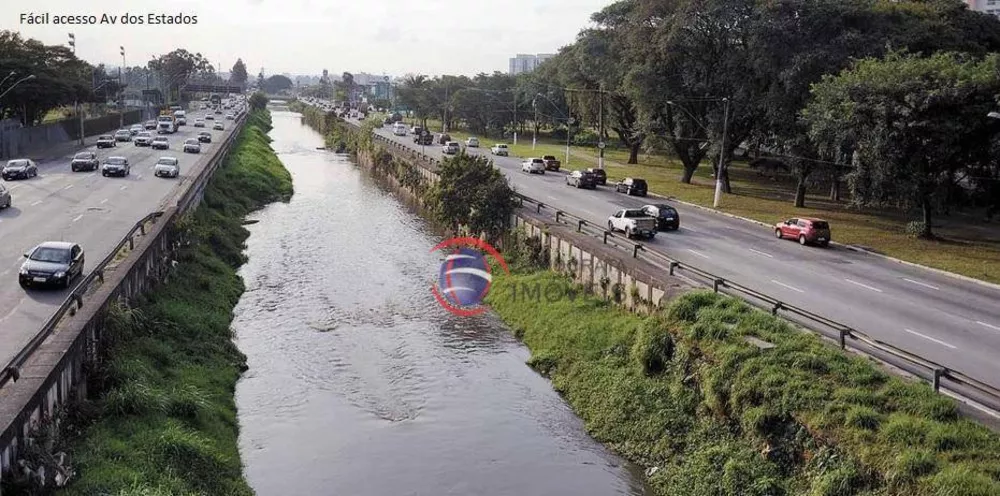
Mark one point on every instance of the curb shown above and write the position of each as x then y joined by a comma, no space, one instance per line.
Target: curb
841,245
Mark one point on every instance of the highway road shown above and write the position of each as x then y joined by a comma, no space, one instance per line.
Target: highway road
83,207
953,322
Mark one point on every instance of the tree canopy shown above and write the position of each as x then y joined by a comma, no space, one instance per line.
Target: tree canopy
276,83
239,72
473,194
37,78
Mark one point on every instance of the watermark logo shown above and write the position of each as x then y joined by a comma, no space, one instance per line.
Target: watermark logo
465,276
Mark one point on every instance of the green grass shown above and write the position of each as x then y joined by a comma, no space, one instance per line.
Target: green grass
965,246
165,420
683,391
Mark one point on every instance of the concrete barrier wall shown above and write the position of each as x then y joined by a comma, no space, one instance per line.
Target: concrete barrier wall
15,143
56,373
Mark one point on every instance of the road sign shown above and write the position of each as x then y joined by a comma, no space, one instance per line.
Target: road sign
601,145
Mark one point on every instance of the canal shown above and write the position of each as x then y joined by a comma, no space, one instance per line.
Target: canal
360,384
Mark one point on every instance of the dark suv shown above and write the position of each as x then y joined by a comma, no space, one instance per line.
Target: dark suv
84,161
667,217
581,179
600,176
424,139
632,186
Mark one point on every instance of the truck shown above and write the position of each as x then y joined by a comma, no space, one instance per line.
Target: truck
181,117
634,222
551,163
166,124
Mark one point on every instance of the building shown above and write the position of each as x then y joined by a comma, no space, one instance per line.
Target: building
522,63
988,6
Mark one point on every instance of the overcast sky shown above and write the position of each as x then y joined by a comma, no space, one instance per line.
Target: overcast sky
307,36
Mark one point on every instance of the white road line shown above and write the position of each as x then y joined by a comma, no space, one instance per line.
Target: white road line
924,284
863,285
68,187
104,201
938,341
78,217
768,255
793,288
971,403
138,176
36,203
686,228
702,255
12,188
123,188
991,326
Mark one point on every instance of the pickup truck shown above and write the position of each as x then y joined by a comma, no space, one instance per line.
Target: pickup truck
634,222
551,163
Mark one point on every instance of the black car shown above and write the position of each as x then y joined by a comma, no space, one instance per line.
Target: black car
106,141
84,161
116,166
581,179
53,263
667,217
632,186
424,139
205,137
600,176
21,168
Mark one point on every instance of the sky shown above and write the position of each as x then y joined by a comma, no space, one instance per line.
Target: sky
394,37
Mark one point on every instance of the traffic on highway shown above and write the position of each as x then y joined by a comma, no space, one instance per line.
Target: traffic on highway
951,320
60,209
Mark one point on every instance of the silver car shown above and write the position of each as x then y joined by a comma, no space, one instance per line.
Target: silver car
167,167
5,198
191,145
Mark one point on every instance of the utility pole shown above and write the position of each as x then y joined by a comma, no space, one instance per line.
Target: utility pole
515,116
121,91
722,155
444,125
600,132
534,134
76,101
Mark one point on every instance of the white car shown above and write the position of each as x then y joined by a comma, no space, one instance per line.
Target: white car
167,167
472,142
451,148
500,149
199,123
533,165
192,145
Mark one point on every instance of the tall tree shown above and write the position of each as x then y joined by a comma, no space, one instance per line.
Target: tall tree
917,121
414,94
277,83
239,73
46,77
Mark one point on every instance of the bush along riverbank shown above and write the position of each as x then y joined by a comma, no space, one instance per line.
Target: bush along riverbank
336,133
164,418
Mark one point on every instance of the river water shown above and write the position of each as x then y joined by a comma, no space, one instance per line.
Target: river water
360,384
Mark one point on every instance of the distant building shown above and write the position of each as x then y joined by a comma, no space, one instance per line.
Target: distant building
522,63
988,6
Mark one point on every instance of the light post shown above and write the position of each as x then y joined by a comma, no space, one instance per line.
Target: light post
515,115
4,80
121,91
19,81
534,130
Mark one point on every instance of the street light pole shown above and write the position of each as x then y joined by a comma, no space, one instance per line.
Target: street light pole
515,116
600,132
722,156
19,81
121,91
534,132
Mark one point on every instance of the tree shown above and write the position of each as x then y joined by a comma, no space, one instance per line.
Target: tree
277,83
917,122
415,95
345,88
258,100
260,79
239,73
471,193
180,65
59,78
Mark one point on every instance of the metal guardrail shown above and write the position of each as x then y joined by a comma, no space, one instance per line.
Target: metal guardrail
12,371
846,336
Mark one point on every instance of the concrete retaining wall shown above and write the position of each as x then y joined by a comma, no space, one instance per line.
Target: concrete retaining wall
16,143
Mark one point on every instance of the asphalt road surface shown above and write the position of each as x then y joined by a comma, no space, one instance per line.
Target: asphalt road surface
953,322
83,207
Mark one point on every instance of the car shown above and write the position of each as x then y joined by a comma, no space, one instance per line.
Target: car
5,197
209,117
21,168
600,176
552,163
230,117
149,125
581,179
443,139
167,167
218,111
533,165
205,137
451,148
199,123
52,263
499,149
192,145
160,143
135,129
633,222
632,186
424,139
667,218
472,142
416,130
123,135
106,141
144,138
219,127
805,230
116,166
84,161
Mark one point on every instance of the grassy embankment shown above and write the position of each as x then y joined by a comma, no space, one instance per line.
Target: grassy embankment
684,392
165,422
967,245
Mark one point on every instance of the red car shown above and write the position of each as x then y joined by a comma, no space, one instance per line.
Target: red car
807,231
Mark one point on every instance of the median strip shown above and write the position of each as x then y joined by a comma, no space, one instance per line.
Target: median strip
852,281
938,341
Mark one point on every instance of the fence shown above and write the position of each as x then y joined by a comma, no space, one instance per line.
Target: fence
26,140
939,376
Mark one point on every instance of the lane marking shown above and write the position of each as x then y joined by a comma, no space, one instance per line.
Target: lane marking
36,203
793,288
12,188
123,188
938,341
686,228
138,176
863,285
104,201
768,255
971,403
78,217
68,187
924,284
702,255
991,326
